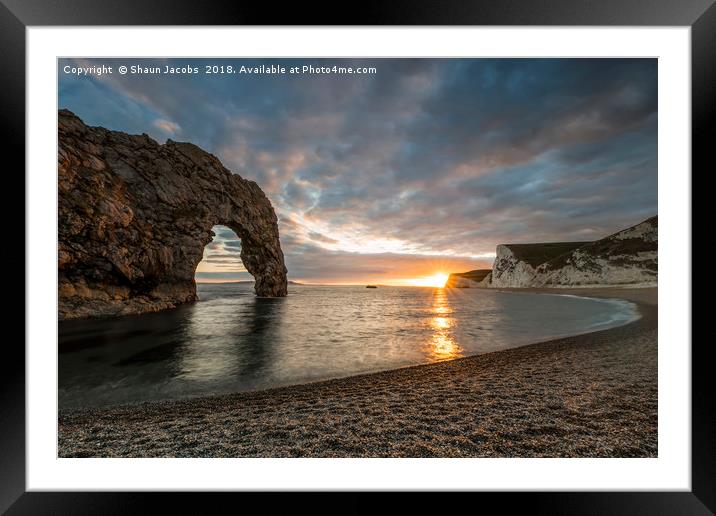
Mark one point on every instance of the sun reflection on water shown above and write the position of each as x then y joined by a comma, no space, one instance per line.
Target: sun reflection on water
442,345
440,323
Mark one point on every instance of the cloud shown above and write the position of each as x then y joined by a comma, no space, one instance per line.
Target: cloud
314,264
166,126
427,158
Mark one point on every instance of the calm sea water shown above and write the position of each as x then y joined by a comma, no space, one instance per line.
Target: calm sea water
231,340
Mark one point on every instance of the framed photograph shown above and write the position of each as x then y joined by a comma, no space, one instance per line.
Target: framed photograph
420,252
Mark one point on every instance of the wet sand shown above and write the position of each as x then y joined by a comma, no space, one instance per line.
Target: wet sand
592,395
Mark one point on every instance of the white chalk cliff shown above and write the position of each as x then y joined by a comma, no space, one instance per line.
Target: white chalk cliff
628,257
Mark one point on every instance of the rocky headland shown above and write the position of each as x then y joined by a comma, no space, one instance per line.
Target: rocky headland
134,217
470,279
626,258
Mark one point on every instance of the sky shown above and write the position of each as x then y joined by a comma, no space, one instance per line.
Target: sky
421,167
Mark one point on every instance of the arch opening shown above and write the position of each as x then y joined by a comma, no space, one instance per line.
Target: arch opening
221,261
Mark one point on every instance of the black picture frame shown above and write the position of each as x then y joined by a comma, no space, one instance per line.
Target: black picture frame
17,15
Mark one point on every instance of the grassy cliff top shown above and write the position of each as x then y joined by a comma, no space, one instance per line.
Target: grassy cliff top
476,275
537,254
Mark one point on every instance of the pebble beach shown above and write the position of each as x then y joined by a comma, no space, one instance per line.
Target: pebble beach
590,395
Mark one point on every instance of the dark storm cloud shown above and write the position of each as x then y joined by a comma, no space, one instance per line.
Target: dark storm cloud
427,156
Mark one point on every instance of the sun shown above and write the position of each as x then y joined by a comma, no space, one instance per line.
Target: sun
436,280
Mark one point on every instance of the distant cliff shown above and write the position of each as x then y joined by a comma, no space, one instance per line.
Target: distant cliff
516,264
470,279
628,257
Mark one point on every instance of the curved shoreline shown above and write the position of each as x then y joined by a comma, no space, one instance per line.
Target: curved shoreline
591,395
188,399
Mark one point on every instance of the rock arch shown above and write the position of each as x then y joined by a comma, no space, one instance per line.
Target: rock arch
134,217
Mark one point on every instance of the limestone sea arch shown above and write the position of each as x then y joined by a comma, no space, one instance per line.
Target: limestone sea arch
134,217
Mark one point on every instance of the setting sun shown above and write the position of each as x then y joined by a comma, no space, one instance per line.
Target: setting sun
436,280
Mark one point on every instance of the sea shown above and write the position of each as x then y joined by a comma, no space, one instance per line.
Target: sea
232,341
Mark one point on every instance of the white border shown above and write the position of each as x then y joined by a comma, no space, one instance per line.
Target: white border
671,470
